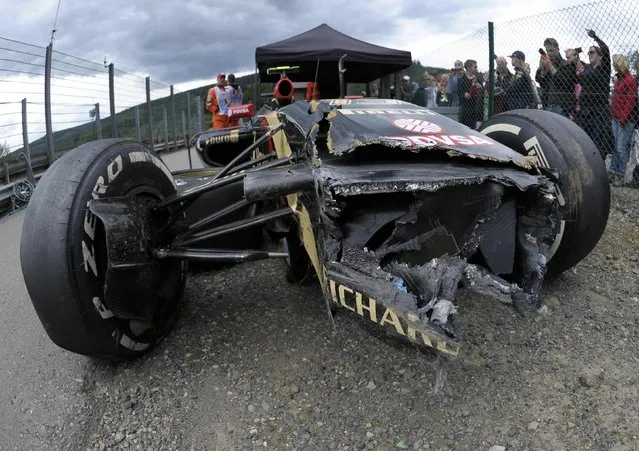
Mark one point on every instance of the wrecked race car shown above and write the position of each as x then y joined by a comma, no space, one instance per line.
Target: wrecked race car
390,207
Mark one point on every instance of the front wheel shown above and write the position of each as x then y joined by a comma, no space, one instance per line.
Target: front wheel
584,192
64,255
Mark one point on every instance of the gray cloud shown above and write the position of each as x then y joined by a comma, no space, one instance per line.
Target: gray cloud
179,41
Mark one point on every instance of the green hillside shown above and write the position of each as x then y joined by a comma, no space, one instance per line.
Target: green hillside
73,137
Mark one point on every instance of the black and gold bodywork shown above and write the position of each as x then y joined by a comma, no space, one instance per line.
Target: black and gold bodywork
396,207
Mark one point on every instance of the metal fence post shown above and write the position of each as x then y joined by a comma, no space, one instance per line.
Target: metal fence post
186,140
175,140
25,143
114,127
149,113
138,134
166,131
47,104
188,113
98,122
491,70
199,114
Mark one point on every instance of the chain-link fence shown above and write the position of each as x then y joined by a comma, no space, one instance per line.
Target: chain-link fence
552,61
52,102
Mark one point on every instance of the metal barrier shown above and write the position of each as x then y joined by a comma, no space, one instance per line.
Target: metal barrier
18,168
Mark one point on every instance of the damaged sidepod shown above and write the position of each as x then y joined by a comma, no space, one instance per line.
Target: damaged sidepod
399,242
398,236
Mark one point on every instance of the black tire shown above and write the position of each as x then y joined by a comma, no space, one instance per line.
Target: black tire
65,284
583,180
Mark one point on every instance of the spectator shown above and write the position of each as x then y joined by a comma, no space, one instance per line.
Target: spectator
470,89
217,102
572,55
635,172
557,78
407,89
519,93
453,81
594,111
503,79
374,90
235,96
426,95
443,97
624,99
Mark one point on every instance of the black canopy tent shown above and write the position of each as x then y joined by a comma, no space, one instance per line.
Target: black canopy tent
364,62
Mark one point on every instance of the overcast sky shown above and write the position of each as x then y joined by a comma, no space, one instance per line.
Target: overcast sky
177,41
187,42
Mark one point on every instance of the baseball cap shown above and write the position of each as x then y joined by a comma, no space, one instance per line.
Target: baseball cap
221,75
518,54
406,77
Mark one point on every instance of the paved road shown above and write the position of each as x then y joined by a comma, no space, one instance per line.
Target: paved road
40,382
42,393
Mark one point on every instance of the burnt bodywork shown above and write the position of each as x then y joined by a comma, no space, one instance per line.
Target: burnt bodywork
398,206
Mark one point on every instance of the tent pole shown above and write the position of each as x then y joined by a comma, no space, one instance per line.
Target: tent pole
340,65
255,88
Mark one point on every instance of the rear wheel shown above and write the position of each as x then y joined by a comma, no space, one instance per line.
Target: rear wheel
562,146
64,257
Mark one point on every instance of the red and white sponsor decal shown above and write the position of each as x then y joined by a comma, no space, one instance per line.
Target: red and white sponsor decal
416,125
447,140
245,110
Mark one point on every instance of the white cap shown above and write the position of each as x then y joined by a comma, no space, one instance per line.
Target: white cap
406,77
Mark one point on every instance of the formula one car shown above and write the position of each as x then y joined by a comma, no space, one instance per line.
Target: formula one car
389,207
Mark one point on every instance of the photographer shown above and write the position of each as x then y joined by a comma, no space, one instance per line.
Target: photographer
557,78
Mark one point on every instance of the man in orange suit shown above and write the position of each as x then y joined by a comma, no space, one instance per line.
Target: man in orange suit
218,101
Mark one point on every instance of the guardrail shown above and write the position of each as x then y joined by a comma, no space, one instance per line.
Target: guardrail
18,168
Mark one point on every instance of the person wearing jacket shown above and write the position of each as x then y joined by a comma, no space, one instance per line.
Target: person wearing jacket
594,113
235,97
557,78
634,183
218,101
624,98
470,89
519,93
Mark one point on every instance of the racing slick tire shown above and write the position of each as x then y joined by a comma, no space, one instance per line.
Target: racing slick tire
63,251
563,146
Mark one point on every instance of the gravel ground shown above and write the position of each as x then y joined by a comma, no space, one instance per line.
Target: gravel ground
262,367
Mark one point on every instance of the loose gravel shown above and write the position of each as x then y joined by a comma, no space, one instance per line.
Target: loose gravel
256,363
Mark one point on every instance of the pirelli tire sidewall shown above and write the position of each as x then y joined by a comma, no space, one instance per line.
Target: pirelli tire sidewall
66,283
563,146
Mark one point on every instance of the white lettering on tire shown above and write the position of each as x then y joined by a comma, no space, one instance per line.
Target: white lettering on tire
534,149
88,255
104,312
129,343
113,170
137,157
